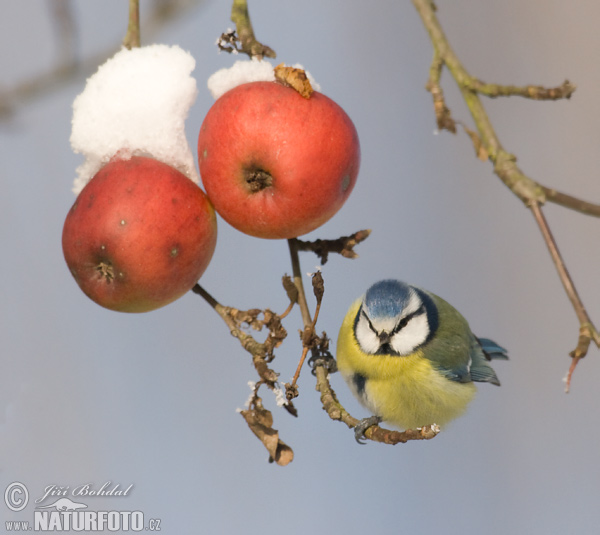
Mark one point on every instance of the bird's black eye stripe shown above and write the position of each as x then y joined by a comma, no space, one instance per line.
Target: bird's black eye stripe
404,321
368,320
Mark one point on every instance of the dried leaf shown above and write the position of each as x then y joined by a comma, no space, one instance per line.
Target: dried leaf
295,78
260,422
290,288
318,286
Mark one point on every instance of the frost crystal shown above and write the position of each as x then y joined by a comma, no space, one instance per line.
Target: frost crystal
280,398
244,72
136,103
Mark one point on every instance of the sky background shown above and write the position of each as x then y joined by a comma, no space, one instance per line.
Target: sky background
89,396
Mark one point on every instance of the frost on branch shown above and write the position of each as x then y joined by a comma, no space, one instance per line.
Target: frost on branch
136,103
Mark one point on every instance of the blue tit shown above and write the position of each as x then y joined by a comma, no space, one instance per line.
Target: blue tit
410,357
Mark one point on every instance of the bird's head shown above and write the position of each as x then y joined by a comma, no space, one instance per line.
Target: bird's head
394,318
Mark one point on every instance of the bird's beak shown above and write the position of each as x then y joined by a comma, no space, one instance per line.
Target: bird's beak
384,337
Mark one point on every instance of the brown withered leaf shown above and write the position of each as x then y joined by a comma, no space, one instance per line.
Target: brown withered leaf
295,78
318,286
290,288
260,422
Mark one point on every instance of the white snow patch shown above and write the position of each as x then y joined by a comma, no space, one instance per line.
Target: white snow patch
136,103
244,72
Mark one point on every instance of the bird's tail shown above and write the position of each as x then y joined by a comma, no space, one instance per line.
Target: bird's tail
492,350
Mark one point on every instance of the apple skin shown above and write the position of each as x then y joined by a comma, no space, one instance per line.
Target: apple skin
139,235
274,164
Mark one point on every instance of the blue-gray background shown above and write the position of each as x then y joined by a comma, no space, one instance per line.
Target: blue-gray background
89,396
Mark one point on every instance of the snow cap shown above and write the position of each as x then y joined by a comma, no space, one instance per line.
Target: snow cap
136,104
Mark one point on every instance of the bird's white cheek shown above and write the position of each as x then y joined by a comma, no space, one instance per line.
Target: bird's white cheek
411,336
367,339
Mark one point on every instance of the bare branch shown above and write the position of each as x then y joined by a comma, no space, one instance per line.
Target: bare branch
504,162
249,44
587,331
488,146
343,246
132,37
534,92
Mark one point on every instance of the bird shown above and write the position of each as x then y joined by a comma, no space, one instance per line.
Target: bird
410,357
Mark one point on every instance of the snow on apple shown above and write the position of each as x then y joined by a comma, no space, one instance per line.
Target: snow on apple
141,232
244,72
136,103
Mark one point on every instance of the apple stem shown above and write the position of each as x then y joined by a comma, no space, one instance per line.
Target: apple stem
132,37
297,277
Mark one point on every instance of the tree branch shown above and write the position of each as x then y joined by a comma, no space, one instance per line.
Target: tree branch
132,37
249,44
343,246
488,146
587,331
534,92
505,167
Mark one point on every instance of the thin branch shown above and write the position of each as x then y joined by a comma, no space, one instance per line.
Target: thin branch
309,338
587,331
487,146
534,92
249,44
442,113
261,352
257,417
505,167
343,246
294,247
132,37
571,202
65,30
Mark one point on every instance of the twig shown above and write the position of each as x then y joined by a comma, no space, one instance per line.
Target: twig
249,45
294,247
258,419
534,92
309,338
505,167
260,351
132,37
587,331
343,246
573,203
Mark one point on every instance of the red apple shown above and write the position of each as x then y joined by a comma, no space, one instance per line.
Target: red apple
275,164
139,235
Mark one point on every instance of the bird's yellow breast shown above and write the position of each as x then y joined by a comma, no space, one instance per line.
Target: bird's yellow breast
406,391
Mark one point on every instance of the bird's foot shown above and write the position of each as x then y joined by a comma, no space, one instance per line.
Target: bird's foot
324,359
363,425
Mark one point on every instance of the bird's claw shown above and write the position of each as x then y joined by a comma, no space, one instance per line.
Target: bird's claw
326,360
362,426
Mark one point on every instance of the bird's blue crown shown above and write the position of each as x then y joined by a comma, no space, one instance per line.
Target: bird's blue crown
387,298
